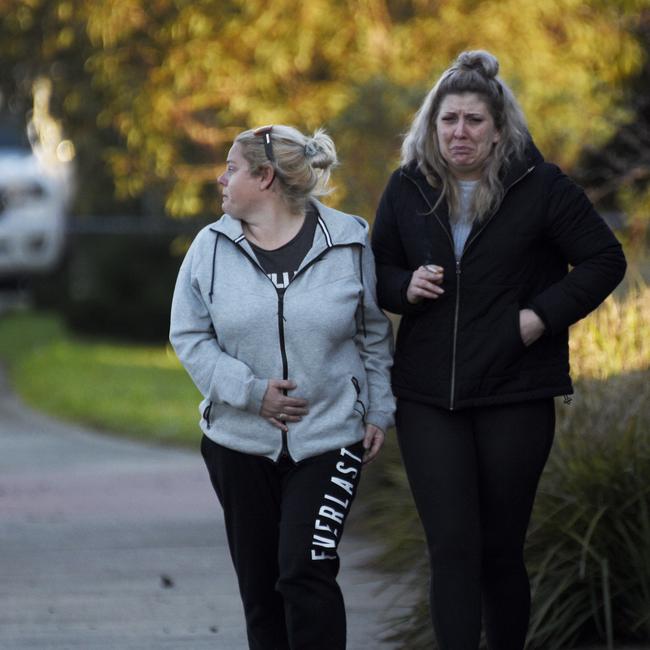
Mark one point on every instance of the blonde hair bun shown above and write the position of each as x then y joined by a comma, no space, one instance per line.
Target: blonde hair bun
320,150
481,61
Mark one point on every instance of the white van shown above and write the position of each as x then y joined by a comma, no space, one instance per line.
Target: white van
33,205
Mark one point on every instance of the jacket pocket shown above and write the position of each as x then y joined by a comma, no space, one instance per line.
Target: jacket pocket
512,346
520,345
359,406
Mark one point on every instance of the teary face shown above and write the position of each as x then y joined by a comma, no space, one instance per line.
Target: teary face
466,134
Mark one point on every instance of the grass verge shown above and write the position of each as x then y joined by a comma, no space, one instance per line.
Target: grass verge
135,390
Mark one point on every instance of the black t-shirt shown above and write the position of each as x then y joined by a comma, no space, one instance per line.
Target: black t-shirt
282,263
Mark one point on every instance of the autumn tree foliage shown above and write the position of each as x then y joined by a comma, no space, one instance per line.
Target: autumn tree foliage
153,91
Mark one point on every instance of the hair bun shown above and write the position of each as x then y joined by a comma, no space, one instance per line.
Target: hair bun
320,150
311,148
479,60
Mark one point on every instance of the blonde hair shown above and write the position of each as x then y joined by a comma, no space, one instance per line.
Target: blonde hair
301,164
472,72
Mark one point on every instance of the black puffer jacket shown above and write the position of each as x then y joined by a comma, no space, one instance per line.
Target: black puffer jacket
464,348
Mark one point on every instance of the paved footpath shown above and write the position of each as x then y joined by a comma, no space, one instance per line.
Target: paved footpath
107,544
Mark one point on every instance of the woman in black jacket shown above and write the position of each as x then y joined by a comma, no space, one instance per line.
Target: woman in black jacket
473,241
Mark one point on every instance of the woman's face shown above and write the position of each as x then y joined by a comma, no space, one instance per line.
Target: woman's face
241,192
466,134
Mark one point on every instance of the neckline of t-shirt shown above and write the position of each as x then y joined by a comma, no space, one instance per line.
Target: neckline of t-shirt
467,185
309,216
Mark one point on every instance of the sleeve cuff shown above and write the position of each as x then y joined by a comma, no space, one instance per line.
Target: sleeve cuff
536,308
258,389
380,419
410,308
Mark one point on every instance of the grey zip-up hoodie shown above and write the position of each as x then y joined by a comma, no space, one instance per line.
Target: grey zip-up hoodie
233,331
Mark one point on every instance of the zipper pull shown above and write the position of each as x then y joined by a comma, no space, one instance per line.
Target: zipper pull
206,414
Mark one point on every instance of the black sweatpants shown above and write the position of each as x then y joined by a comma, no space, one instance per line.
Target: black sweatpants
474,474
284,522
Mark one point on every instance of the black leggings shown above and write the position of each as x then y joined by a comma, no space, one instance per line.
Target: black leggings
474,474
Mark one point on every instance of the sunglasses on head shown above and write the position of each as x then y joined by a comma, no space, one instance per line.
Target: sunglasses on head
265,132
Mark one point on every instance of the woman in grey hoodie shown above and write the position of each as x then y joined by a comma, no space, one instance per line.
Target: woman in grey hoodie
275,318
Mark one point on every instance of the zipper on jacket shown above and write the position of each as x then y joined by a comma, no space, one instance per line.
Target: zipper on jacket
457,306
458,270
455,338
468,243
284,452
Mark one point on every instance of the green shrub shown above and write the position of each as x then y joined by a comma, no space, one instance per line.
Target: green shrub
588,549
137,390
589,544
118,284
121,286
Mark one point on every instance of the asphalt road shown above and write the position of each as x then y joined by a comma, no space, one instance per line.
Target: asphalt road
109,544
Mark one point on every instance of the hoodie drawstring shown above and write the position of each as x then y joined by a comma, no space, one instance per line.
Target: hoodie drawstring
363,306
214,257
